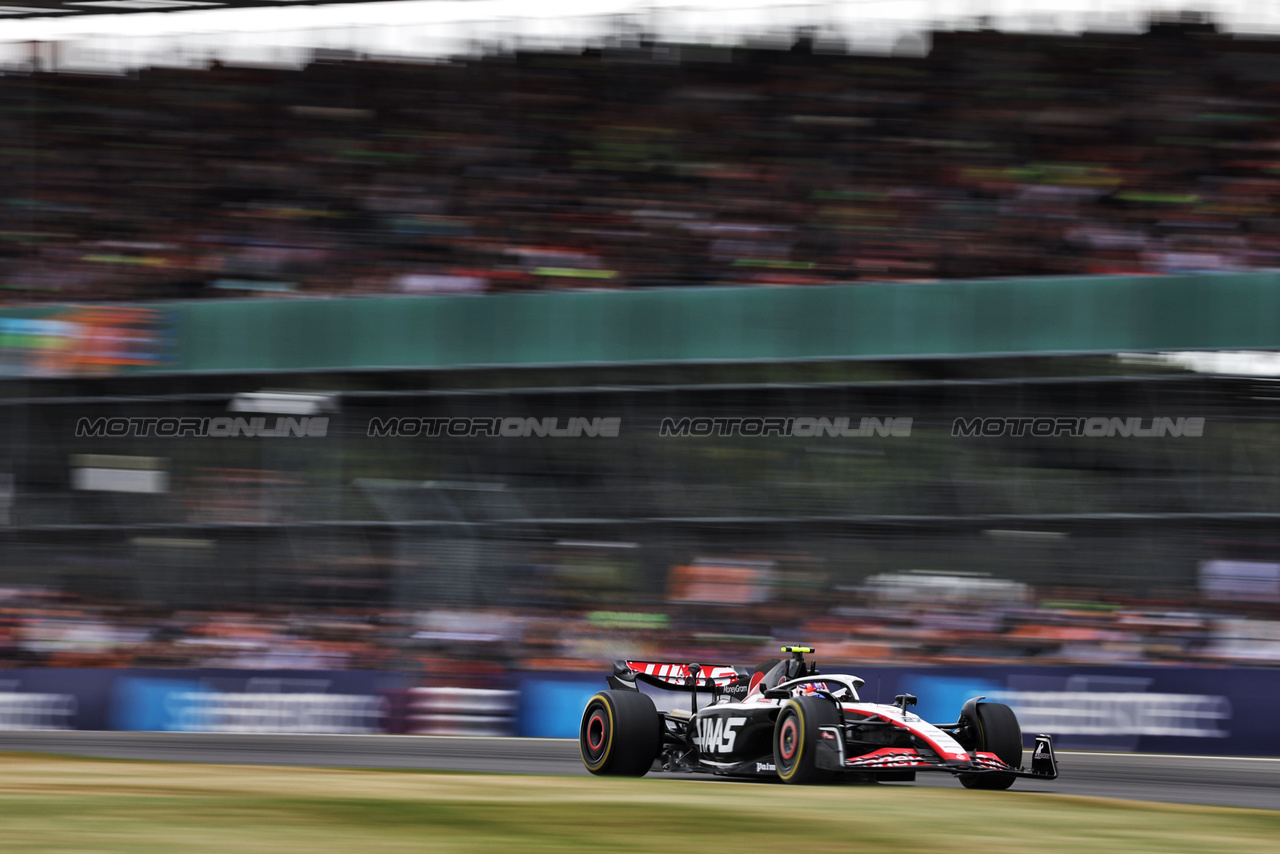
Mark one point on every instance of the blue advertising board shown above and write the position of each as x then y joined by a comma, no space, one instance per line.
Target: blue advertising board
1195,710
196,700
64,698
329,701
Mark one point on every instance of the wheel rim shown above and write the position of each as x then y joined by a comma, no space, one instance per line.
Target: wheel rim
595,732
595,736
788,740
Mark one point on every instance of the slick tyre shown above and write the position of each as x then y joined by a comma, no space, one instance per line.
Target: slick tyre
996,730
621,734
795,739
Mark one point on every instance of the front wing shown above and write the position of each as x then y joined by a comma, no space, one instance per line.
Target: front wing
1044,765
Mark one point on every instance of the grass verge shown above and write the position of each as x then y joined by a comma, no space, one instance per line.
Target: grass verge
50,804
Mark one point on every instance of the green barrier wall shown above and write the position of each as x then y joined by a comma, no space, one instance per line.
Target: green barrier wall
994,317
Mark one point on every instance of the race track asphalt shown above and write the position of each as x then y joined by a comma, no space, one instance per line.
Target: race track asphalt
1220,781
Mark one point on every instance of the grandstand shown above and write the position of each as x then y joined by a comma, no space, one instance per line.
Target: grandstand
1099,154
1012,226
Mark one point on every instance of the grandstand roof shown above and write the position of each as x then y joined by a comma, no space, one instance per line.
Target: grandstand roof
15,9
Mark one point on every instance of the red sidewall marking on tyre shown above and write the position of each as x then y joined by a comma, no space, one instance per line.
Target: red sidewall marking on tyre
788,739
595,726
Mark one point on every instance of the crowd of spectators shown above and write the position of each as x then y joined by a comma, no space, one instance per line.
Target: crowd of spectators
457,646
995,155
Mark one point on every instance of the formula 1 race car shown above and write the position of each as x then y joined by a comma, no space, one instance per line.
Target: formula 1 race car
785,720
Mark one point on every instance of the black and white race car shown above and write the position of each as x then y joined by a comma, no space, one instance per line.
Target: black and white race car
786,720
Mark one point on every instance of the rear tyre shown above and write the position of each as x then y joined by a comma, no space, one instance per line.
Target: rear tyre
796,735
996,730
621,734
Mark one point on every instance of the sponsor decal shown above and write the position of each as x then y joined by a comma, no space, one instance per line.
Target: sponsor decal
716,734
1121,713
888,757
217,711
678,674
21,710
762,767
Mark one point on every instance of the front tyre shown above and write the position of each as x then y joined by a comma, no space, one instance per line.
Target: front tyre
996,730
795,739
621,734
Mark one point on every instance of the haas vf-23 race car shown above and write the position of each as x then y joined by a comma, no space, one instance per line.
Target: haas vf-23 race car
788,721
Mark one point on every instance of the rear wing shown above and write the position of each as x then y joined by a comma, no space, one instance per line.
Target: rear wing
676,676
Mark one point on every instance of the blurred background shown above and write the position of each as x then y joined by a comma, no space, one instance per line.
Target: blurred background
376,236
